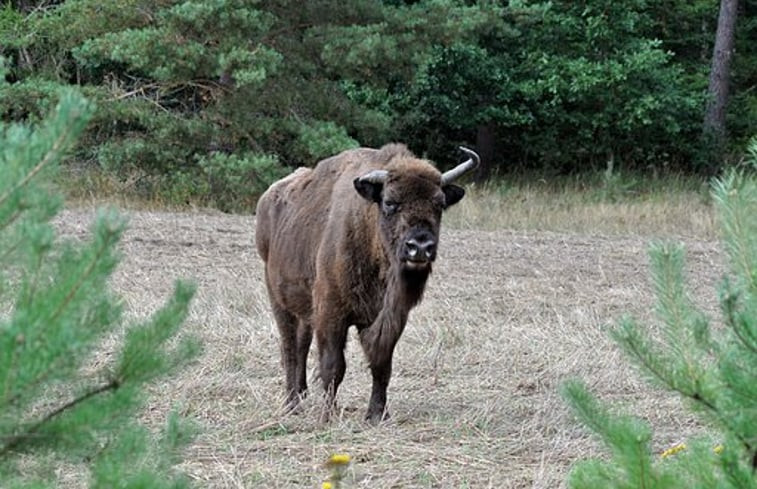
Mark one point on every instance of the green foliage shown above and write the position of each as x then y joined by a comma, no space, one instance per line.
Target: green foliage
564,86
441,99
56,309
557,86
237,180
10,18
714,370
322,139
181,44
602,89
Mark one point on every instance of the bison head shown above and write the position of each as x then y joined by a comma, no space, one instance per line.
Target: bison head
411,195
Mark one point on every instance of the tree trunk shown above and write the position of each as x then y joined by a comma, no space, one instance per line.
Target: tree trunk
485,146
714,119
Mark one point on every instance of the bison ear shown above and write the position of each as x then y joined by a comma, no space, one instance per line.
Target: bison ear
369,190
452,195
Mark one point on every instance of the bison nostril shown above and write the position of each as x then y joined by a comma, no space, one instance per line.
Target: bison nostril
412,248
430,250
426,247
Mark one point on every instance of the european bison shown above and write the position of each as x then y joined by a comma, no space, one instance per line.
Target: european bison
351,242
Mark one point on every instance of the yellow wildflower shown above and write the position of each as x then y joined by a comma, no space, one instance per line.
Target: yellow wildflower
718,449
339,459
337,465
673,450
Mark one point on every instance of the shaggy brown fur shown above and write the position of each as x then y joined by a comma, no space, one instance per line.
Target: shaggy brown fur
342,251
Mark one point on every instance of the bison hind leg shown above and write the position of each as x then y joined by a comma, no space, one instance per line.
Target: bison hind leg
296,336
332,364
304,339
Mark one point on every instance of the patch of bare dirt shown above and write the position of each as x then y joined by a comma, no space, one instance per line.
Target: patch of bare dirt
507,317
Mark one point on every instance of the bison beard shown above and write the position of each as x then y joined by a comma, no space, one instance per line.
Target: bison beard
351,242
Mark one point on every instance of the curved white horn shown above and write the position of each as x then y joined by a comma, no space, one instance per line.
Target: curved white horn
471,163
375,176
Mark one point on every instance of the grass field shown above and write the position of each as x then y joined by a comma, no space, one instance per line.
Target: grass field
531,287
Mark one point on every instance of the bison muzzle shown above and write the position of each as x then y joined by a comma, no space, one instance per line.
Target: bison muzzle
351,242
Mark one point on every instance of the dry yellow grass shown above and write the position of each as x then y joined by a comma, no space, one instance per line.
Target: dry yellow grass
509,314
677,213
668,206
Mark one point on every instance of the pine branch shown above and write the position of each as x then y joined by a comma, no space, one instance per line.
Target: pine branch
84,276
695,396
11,372
11,219
640,353
62,306
9,251
642,474
628,338
69,297
745,336
15,440
51,154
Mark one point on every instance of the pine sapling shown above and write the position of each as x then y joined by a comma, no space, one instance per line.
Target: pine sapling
714,370
56,306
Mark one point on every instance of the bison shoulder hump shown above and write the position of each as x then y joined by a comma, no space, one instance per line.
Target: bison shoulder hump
392,150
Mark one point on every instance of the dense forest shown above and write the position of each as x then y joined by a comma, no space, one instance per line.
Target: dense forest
222,96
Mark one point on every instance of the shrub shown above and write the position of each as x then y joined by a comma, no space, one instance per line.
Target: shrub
235,181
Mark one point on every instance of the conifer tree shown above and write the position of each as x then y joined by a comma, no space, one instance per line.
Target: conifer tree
715,370
55,308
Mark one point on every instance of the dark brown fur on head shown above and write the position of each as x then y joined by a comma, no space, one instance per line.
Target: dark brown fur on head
410,204
344,249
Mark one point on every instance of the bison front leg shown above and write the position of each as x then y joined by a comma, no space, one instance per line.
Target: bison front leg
378,344
381,373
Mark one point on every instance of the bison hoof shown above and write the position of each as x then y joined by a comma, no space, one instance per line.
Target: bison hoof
376,417
293,405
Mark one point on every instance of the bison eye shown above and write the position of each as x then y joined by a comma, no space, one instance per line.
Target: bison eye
389,207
